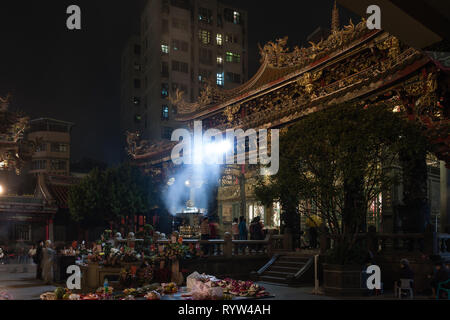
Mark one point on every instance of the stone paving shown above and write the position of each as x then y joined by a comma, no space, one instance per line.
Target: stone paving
19,281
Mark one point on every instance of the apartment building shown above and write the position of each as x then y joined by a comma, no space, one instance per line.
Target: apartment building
182,44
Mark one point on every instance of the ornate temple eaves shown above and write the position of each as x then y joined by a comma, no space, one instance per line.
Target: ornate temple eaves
278,64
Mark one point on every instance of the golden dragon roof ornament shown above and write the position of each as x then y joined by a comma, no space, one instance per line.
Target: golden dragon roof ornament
279,56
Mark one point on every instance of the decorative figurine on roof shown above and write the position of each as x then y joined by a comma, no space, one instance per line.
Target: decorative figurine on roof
134,143
4,103
14,151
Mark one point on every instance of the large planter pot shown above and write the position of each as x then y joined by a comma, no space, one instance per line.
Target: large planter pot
92,275
342,280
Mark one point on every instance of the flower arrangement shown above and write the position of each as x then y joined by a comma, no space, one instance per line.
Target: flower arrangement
173,251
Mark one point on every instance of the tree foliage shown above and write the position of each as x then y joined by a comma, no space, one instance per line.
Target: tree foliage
112,194
338,160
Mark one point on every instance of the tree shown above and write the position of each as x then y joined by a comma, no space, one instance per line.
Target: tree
112,194
337,161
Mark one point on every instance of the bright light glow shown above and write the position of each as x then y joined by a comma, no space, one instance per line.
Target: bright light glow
187,183
1,189
217,148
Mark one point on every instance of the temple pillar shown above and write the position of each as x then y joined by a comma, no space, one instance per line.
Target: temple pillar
390,199
445,199
50,230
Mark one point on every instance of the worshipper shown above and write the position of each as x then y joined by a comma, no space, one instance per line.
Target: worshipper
48,256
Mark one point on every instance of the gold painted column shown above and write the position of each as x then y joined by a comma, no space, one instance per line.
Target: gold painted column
445,199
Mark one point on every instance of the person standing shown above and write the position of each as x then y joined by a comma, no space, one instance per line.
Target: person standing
243,232
48,255
2,256
38,260
256,231
313,237
204,235
235,229
213,234
32,253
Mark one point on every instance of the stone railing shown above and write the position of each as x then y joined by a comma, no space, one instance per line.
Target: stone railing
430,243
442,245
227,247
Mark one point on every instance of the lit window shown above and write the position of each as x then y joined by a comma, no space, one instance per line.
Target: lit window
165,48
165,112
232,16
219,39
204,36
236,17
164,90
219,61
232,57
59,147
220,79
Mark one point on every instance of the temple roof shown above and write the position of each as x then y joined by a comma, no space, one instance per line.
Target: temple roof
55,189
278,64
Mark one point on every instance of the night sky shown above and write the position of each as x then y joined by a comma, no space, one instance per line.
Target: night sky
75,75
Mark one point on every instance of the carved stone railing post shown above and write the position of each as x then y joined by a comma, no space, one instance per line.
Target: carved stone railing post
228,245
269,239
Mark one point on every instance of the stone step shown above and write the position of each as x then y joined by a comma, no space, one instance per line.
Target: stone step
272,279
280,274
293,259
284,269
289,264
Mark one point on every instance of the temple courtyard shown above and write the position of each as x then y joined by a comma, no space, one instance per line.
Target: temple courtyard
19,282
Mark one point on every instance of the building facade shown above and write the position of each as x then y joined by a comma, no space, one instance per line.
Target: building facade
131,108
52,155
184,44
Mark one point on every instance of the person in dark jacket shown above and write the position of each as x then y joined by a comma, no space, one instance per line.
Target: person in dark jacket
405,273
37,258
243,232
440,274
313,234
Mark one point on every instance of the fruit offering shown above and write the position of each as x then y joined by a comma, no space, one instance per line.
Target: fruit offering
241,288
169,288
153,295
59,293
130,291
90,296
